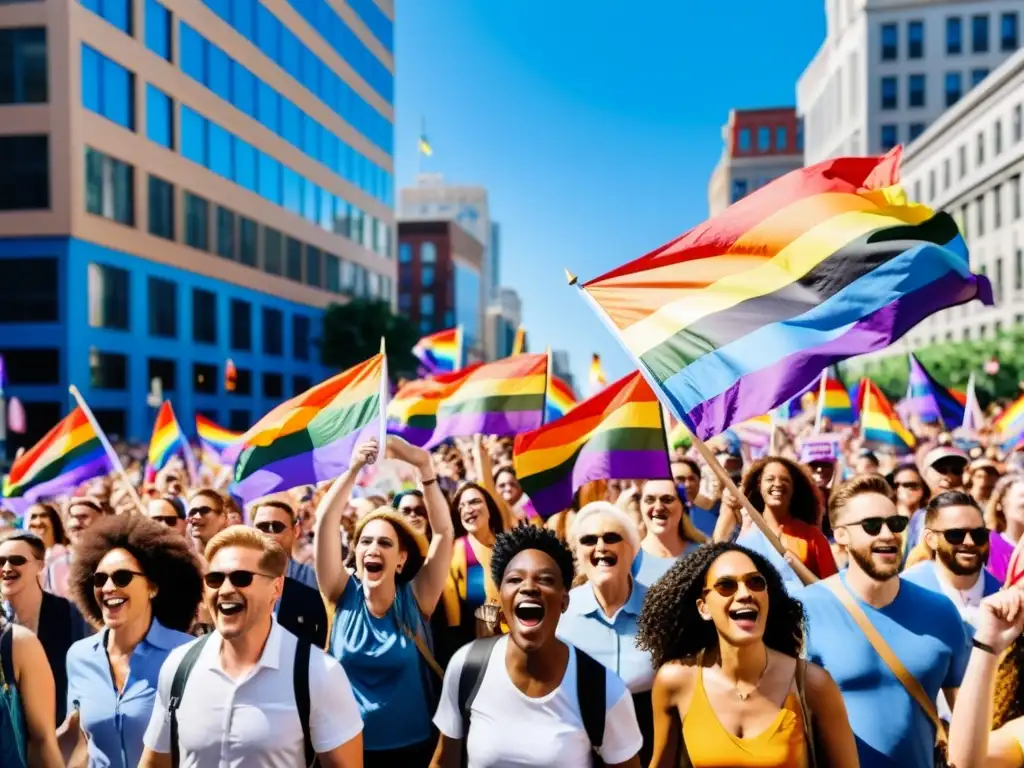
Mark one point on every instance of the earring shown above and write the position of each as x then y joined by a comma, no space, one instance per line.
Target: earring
152,595
398,569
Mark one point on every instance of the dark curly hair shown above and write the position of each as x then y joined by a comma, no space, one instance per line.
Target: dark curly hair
1008,697
523,537
671,628
164,557
494,519
805,504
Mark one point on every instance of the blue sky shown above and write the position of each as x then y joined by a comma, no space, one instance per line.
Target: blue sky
595,131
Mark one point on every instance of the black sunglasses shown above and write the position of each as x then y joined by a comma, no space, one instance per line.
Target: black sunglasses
271,526
169,520
201,511
16,560
121,578
418,510
239,579
873,525
910,485
727,586
957,536
591,539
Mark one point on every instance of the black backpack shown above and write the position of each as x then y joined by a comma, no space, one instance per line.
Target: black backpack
591,692
300,681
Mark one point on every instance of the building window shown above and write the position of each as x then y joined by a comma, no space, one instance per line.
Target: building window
890,42
273,261
999,281
915,130
204,316
764,139
194,136
947,174
108,89
890,93
239,420
32,367
204,379
108,370
1018,122
300,337
163,308
781,138
404,302
301,384
332,273
165,370
248,241
426,305
241,325
293,263
313,276
225,233
744,140
28,290
116,12
954,88
977,75
915,39
273,386
109,187
197,222
979,204
931,184
981,149
1015,197
404,253
739,189
916,96
428,253
889,138
23,66
427,277
24,173
962,157
273,332
159,117
1008,32
997,206
979,33
1018,270
108,297
997,136
954,35
158,29
161,208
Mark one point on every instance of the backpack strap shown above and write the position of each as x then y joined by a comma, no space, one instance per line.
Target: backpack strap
181,675
471,678
300,679
592,694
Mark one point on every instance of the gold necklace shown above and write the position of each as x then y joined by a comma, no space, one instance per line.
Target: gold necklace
744,696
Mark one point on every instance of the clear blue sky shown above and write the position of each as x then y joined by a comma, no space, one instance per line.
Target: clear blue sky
594,126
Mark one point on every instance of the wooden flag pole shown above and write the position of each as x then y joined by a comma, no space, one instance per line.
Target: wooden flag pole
821,402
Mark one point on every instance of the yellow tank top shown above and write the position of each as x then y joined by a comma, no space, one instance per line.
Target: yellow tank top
710,745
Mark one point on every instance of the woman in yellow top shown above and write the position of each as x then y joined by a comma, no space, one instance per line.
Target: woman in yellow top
725,639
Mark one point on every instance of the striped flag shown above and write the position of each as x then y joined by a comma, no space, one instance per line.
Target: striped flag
879,423
929,400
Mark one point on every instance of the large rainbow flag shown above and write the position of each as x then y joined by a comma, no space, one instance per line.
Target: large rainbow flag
505,397
929,400
617,433
412,412
560,399
739,314
310,438
440,352
214,439
70,453
880,425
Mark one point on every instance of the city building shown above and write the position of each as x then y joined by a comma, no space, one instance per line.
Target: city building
440,280
182,184
969,163
888,68
495,260
560,367
504,316
759,145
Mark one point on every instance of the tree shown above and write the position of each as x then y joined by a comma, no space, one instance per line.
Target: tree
352,334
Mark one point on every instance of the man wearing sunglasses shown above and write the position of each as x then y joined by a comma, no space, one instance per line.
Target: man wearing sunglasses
921,628
206,516
275,517
944,468
242,702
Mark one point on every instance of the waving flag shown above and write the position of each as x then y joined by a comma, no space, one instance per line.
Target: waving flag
974,419
1010,425
879,423
560,399
929,400
738,315
167,439
412,412
214,439
440,352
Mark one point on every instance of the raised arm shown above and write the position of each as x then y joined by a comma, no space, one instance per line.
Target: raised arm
429,583
36,686
331,575
485,471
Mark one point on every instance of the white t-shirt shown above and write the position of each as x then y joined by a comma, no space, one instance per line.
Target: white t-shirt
253,722
508,729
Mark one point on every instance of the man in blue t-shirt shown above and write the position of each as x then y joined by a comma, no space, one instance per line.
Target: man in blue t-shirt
921,627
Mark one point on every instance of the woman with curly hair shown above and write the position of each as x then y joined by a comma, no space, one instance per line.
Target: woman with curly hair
731,689
140,582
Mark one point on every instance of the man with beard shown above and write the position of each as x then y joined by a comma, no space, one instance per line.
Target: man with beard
240,705
922,629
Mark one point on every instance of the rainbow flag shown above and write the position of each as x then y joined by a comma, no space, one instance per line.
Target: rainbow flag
738,315
213,438
440,352
617,433
70,453
310,438
929,400
836,406
974,417
505,397
412,412
167,439
560,399
879,423
1010,425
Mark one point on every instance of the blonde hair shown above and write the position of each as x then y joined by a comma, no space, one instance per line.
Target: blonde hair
857,486
273,558
995,517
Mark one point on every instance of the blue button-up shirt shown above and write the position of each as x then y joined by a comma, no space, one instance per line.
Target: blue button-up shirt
302,572
115,724
609,640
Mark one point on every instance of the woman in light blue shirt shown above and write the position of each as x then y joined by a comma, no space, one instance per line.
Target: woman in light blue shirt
140,582
602,617
670,532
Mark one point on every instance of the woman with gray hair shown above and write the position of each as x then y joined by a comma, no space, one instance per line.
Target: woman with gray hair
601,619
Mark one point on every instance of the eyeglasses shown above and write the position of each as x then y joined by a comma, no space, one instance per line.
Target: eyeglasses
169,520
666,499
910,485
873,525
121,578
957,536
271,526
16,560
416,510
201,511
591,539
727,586
239,579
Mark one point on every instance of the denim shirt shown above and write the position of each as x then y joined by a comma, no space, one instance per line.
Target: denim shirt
115,724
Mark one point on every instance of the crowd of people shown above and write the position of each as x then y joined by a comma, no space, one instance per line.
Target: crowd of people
445,624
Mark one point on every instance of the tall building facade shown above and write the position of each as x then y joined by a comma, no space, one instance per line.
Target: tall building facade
182,183
888,68
440,280
504,316
759,145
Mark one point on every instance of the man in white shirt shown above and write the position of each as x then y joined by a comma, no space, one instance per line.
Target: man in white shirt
239,708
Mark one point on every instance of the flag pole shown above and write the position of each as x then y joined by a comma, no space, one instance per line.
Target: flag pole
547,387
382,434
709,457
822,389
107,448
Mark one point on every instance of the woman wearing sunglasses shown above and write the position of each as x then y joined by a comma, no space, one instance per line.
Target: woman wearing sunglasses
168,510
140,582
730,689
603,611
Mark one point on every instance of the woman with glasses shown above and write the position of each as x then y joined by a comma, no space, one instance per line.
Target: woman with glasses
670,532
730,688
140,582
168,510
912,494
